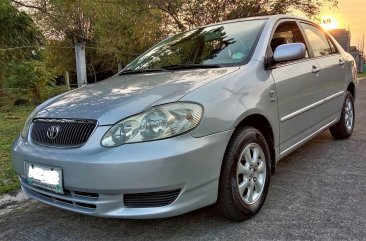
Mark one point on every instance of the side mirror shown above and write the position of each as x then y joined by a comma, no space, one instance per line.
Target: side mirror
288,52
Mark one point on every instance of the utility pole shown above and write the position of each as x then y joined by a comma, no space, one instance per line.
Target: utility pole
120,66
67,80
80,64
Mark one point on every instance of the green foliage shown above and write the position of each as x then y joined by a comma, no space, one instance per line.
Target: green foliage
51,91
17,30
126,28
114,31
12,120
361,75
33,75
20,54
70,19
28,74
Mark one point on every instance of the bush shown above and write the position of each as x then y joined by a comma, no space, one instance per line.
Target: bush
32,75
10,96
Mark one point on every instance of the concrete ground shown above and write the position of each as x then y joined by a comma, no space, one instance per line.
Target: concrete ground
318,192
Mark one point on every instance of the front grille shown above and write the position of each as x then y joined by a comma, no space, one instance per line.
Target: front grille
70,133
74,200
150,199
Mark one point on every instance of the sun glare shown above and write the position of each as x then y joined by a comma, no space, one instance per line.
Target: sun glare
329,23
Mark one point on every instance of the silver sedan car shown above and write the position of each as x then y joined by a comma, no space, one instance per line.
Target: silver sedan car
200,118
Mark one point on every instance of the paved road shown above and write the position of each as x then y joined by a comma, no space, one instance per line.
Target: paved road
318,192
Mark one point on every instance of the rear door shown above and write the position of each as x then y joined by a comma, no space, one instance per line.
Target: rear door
332,74
299,92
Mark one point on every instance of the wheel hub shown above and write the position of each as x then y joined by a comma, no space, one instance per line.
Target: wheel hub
348,117
251,173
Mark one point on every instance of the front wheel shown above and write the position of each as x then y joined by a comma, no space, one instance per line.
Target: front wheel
245,175
344,128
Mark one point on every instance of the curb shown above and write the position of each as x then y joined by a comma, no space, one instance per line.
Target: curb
8,202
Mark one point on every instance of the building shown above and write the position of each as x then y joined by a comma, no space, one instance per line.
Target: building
358,56
343,37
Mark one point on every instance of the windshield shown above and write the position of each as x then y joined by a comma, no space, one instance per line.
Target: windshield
224,44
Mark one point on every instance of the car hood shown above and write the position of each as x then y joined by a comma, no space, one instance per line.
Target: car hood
118,97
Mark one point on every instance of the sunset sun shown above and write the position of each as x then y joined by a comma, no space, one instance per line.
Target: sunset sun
329,22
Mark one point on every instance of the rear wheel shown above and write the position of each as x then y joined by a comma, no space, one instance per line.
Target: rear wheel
245,175
344,128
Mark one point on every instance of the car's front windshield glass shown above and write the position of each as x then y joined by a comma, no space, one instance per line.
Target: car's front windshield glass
221,45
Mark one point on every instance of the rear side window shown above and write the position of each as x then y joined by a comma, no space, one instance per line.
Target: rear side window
318,41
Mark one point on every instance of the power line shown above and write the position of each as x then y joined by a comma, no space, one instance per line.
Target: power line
113,50
31,47
62,59
68,47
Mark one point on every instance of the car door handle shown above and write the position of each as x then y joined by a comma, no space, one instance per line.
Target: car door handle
315,70
341,62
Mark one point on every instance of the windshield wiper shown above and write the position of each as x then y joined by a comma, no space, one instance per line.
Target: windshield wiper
138,71
171,67
191,66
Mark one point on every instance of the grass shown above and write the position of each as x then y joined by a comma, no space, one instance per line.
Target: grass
12,119
362,75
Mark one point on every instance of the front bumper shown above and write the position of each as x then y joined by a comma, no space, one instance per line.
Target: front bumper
190,165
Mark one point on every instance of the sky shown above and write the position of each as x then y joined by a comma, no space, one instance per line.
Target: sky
350,14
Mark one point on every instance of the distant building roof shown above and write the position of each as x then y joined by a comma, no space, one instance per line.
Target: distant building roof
343,37
353,49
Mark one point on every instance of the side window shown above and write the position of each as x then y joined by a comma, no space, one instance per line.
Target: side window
318,41
287,32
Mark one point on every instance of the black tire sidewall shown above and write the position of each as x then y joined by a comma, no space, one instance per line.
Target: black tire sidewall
340,130
251,136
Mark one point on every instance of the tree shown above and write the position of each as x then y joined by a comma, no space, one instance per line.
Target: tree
114,31
188,14
133,28
20,39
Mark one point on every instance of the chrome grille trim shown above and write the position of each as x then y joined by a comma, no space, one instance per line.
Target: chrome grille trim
73,133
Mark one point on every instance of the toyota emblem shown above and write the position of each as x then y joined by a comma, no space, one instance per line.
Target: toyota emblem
52,132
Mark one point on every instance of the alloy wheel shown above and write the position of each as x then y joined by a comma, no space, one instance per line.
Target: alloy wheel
348,117
251,173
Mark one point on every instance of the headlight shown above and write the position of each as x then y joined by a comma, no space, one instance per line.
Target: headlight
156,123
27,124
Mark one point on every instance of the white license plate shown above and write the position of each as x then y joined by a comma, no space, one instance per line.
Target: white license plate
46,177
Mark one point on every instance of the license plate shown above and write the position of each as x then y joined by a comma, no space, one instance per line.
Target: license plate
46,177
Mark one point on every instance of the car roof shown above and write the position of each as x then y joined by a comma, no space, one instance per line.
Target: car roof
272,18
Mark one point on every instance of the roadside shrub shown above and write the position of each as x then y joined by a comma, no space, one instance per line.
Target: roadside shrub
32,75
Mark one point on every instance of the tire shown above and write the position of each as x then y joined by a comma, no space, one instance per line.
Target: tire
252,176
344,128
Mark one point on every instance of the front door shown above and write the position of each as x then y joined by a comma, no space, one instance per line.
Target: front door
299,92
